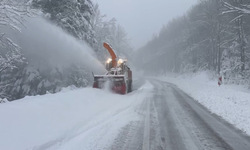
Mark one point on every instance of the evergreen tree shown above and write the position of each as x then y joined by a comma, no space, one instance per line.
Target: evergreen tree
12,14
72,15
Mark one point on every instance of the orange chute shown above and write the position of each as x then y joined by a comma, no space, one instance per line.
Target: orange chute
111,52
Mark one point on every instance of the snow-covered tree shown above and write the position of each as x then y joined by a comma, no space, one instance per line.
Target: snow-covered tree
101,32
26,82
240,7
110,32
12,14
79,76
239,10
73,16
212,35
119,41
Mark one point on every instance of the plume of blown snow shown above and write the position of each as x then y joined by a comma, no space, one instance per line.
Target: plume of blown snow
47,45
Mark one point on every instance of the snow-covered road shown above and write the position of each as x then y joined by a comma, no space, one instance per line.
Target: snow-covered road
178,122
157,115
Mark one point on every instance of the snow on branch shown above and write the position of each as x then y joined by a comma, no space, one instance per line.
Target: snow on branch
241,9
13,12
12,15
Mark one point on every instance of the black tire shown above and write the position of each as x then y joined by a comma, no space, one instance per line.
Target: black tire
130,86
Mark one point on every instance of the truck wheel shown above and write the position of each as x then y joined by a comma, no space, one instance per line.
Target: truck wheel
129,87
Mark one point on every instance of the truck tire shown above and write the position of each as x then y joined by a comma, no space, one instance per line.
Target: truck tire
130,86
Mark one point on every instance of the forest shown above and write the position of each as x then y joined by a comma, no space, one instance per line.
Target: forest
214,35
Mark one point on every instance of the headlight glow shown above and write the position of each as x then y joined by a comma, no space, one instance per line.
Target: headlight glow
109,60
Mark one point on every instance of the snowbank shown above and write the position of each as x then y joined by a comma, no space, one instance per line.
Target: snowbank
231,102
71,118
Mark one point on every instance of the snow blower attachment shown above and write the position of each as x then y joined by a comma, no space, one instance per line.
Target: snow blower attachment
119,74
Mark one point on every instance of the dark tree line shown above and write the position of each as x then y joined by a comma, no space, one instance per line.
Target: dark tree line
213,35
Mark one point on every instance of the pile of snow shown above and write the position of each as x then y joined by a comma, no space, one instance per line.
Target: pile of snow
231,102
72,119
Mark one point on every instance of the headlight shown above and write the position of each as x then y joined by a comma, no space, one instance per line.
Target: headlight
109,60
120,61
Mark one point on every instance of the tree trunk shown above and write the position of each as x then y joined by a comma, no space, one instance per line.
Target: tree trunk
242,45
219,52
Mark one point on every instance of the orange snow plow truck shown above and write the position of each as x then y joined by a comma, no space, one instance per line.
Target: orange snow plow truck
119,75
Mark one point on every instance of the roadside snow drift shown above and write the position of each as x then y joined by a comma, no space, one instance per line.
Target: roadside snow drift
231,102
79,119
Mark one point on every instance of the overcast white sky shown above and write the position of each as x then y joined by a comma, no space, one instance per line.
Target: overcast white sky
143,18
